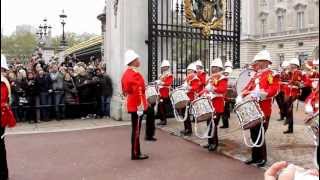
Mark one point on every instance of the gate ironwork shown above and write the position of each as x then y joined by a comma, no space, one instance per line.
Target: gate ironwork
172,37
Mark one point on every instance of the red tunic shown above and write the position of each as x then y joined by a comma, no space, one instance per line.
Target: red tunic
293,87
165,84
309,77
194,84
284,79
268,85
313,99
220,87
133,87
7,117
202,75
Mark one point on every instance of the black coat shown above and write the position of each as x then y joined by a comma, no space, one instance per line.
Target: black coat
106,85
32,88
44,83
70,92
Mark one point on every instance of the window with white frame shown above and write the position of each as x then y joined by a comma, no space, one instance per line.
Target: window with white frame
300,19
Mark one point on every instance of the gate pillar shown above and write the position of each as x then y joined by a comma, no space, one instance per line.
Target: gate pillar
126,28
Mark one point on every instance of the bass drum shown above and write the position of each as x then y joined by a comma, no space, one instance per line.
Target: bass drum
244,78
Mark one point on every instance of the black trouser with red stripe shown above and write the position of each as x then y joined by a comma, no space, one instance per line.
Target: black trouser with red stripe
135,135
259,153
215,138
280,101
3,157
150,124
162,109
289,111
226,114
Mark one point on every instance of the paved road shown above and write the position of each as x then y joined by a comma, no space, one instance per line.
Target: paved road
103,154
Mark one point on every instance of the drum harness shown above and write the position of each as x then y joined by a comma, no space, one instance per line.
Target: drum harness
261,135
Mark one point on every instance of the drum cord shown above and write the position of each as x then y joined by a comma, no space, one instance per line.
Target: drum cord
212,123
260,136
206,134
178,117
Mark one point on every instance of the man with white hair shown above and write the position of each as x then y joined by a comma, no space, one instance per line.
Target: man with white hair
7,118
292,91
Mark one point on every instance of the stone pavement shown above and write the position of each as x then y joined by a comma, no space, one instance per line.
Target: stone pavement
65,125
297,148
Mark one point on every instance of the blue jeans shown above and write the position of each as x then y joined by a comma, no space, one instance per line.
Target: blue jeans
45,103
59,104
105,105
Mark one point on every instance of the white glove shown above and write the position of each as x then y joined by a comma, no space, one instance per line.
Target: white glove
239,99
140,111
158,82
211,95
185,86
315,84
255,94
309,108
209,87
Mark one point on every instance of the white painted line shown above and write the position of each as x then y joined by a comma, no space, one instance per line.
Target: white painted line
64,130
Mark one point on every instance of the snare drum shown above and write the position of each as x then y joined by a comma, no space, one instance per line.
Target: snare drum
202,109
249,114
313,123
152,94
179,99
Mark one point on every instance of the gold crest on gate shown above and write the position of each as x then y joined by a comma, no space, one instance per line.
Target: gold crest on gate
205,14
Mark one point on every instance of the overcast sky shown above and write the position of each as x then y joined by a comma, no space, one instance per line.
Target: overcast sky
82,14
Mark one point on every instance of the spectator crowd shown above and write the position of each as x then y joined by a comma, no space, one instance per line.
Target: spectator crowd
59,90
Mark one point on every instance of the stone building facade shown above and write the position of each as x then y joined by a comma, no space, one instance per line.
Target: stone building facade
287,28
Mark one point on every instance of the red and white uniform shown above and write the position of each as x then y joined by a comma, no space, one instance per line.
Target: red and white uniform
202,75
166,81
133,87
284,80
193,83
293,87
309,77
313,100
218,85
268,85
7,117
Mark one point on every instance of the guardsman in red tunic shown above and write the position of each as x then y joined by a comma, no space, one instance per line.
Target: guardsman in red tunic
292,91
202,75
284,78
228,102
216,89
312,102
164,83
309,75
133,88
262,87
7,118
192,84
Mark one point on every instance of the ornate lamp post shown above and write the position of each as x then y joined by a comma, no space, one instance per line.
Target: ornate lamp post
43,33
63,16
